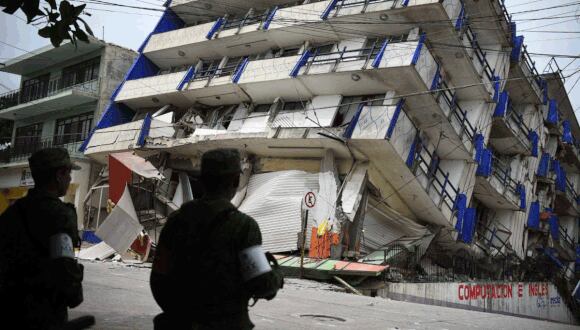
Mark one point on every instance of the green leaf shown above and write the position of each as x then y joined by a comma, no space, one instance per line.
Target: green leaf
46,31
66,12
52,4
52,17
31,9
78,10
55,39
81,35
87,27
12,6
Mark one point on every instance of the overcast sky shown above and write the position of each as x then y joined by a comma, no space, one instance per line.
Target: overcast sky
128,27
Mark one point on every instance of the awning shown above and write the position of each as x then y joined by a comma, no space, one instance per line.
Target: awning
138,165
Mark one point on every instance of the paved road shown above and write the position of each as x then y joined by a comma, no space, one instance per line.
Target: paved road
120,298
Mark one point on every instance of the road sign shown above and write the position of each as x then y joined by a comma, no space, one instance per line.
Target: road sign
310,199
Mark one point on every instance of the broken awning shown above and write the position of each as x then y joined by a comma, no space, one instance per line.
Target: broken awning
327,268
138,165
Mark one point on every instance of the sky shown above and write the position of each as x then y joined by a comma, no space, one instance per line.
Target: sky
128,27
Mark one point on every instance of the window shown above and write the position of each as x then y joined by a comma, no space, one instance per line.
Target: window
291,106
27,138
262,108
231,66
81,72
350,104
372,47
324,49
35,88
208,68
73,129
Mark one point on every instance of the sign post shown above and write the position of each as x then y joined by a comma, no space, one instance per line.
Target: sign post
309,202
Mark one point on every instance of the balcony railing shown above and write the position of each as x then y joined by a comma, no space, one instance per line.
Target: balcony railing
334,58
238,23
571,192
23,147
427,164
516,122
456,114
479,54
45,89
531,66
502,172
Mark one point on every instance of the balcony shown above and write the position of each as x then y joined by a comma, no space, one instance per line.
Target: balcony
527,85
571,156
323,21
494,186
509,134
46,97
567,200
496,27
565,245
388,137
23,148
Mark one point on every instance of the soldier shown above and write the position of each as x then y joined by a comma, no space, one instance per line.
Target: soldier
209,261
39,275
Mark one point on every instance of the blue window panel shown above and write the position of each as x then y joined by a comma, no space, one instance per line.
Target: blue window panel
215,28
578,259
168,22
436,79
468,227
144,130
190,74
350,129
90,237
496,88
460,18
379,57
517,49
521,190
553,116
270,18
534,140
142,68
501,105
560,175
413,151
544,165
115,114
479,146
534,215
513,30
567,132
240,70
459,207
144,43
301,62
405,3
328,9
554,227
485,164
418,49
395,118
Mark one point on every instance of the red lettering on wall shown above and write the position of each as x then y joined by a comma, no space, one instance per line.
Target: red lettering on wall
509,291
459,295
520,290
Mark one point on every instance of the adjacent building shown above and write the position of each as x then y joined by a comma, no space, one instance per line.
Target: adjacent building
63,92
423,129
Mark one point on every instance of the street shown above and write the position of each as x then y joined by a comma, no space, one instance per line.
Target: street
119,297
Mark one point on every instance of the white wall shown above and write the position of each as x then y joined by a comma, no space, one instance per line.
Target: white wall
538,300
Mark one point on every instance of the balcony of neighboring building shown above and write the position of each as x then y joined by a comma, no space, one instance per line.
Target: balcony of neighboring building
19,150
47,96
356,67
526,85
509,133
495,186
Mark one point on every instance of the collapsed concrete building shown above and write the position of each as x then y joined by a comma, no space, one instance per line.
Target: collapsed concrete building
423,129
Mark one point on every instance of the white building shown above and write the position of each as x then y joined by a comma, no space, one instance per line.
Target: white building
62,94
406,117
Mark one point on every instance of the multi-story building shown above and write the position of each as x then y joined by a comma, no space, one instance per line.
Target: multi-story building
63,91
420,123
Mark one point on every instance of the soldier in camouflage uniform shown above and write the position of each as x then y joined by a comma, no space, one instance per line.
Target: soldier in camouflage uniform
209,261
39,276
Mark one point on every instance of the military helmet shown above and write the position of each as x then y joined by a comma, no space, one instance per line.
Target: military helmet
220,162
50,158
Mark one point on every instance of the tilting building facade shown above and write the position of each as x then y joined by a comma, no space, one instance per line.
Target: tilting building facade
418,124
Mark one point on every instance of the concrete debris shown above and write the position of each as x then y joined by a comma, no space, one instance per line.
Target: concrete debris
99,251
